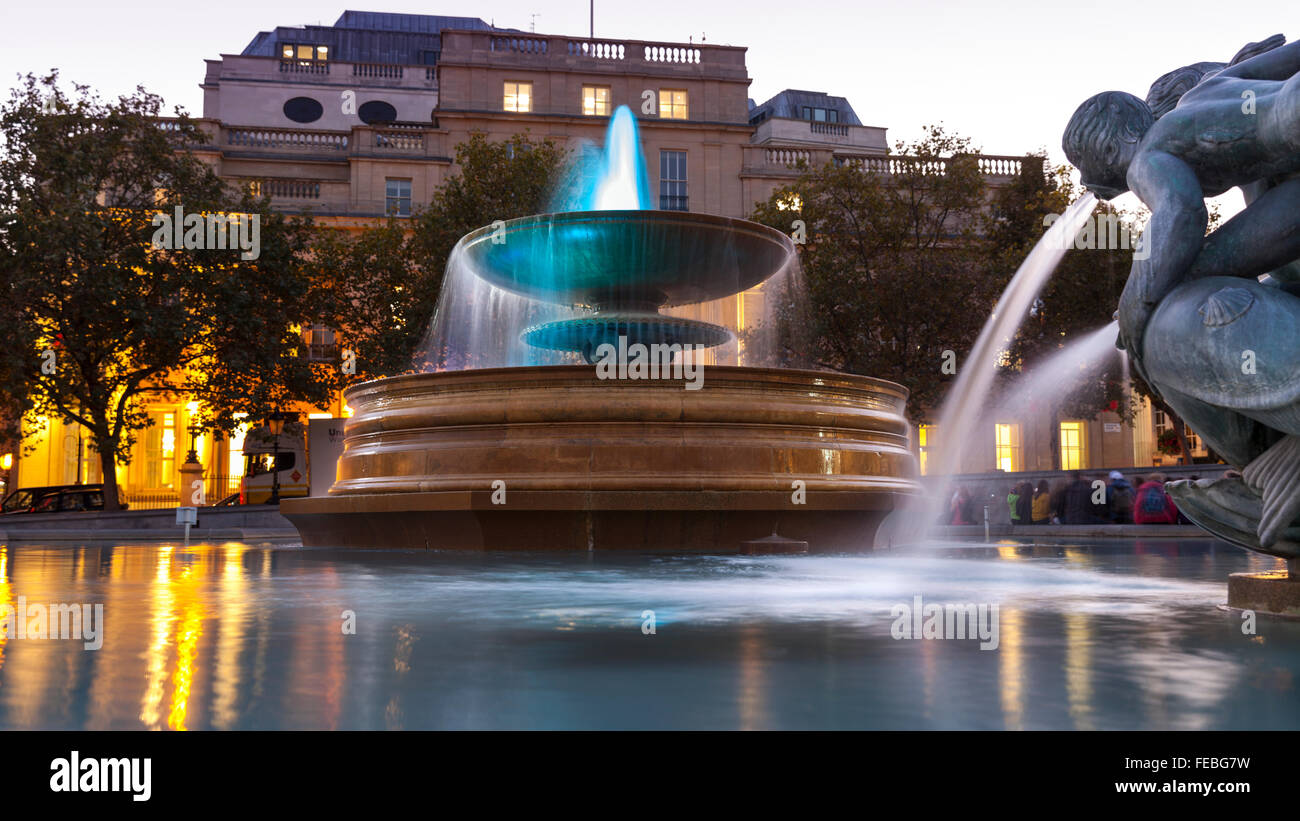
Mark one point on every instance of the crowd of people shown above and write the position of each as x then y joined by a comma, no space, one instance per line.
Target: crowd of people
1081,500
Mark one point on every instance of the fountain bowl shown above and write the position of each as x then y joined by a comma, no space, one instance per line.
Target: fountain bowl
626,260
555,458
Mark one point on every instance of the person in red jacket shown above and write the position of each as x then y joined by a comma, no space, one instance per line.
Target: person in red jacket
1152,505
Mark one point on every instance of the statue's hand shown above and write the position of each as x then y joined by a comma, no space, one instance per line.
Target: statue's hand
1255,49
1133,318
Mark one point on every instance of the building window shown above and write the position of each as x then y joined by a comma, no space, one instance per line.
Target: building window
924,441
595,101
518,96
304,51
1163,424
672,181
821,115
429,57
672,104
322,344
397,198
1007,442
1072,446
160,451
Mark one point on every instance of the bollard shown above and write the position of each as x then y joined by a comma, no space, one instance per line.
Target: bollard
986,524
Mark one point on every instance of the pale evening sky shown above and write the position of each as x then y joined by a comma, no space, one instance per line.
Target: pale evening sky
1007,74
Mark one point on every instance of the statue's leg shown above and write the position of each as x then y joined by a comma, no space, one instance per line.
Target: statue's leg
1275,475
1263,238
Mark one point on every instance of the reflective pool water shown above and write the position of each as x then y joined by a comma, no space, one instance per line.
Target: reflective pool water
1101,636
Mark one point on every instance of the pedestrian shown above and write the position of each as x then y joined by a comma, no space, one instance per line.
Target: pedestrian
1119,499
1152,505
1025,504
959,512
1041,504
1077,507
1013,503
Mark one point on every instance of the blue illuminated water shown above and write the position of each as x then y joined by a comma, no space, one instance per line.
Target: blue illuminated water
1101,636
613,178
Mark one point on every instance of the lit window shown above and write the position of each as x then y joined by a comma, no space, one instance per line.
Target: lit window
672,181
595,101
1072,444
672,104
1007,440
518,96
925,441
303,51
160,450
397,198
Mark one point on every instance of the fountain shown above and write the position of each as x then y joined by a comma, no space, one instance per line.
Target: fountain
486,453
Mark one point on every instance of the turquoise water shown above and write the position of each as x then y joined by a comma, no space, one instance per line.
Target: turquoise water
231,636
611,178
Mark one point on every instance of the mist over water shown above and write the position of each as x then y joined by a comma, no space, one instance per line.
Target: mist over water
1061,372
968,400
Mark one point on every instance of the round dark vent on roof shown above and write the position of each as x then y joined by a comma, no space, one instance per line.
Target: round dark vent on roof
377,111
303,110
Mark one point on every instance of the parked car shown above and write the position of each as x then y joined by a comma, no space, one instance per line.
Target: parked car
54,499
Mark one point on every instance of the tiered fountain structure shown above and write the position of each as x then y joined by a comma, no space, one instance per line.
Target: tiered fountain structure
553,456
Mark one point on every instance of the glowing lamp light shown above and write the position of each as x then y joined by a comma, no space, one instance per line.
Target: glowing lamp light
6,461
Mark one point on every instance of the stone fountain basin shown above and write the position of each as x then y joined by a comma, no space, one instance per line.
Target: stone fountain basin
614,464
619,259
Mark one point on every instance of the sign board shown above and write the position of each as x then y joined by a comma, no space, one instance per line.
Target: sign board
324,446
1112,427
187,515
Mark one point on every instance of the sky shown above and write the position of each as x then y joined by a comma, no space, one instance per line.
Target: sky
1007,74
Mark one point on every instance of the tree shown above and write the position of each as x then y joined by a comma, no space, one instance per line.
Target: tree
387,279
1080,298
895,264
106,316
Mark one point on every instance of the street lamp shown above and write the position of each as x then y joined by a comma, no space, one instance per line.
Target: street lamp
275,424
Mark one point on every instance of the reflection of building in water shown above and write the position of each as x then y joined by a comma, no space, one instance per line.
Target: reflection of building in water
176,621
316,660
1011,667
752,698
6,601
1078,669
232,613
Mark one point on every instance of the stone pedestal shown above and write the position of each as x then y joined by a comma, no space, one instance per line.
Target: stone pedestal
190,472
1275,593
554,458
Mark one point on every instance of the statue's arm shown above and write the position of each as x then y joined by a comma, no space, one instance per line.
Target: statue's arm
1169,246
1278,64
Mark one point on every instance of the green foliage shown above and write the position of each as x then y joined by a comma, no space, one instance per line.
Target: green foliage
386,280
896,266
1080,297
81,181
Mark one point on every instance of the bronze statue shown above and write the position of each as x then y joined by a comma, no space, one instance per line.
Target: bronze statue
1216,342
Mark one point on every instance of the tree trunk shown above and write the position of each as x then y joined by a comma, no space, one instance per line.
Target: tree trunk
108,466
